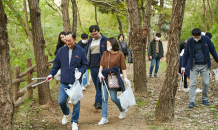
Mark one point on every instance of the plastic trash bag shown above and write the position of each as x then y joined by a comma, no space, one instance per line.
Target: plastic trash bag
90,77
74,92
216,74
127,98
58,75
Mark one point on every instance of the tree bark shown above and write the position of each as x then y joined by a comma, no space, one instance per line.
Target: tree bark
147,18
205,21
165,106
65,15
26,21
143,9
39,45
6,100
118,19
138,48
74,9
96,18
160,16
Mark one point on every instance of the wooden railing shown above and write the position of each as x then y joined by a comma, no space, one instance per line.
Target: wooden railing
19,77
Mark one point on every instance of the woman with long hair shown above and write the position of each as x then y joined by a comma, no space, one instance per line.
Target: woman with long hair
61,41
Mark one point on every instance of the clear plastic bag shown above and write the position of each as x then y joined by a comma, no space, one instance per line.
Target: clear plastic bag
216,74
90,77
74,92
58,75
127,98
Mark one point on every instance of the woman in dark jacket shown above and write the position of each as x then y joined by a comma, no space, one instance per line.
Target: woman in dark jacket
61,41
111,61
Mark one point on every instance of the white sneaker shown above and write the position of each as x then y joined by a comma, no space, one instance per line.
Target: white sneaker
65,119
185,89
122,114
121,75
74,126
83,88
103,121
87,84
198,90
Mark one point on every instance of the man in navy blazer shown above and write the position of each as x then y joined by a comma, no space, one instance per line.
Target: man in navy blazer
67,59
198,50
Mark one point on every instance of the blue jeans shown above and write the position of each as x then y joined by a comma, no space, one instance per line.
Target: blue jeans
62,103
113,93
157,59
84,79
95,79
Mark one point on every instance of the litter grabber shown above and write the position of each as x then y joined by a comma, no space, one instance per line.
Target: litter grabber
103,81
47,80
182,80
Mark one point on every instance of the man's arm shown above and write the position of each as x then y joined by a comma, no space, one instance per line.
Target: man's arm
84,63
149,49
212,50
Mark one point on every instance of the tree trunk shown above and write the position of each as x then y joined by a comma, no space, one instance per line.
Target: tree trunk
6,100
211,13
160,16
39,45
80,20
74,8
165,106
143,9
205,21
129,32
65,15
147,18
26,22
96,19
118,19
138,48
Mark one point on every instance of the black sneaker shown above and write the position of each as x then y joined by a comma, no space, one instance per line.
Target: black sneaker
155,75
149,76
98,105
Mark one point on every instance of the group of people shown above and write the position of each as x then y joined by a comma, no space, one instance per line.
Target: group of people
104,57
194,61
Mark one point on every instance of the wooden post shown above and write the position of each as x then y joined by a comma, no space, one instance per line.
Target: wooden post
30,91
17,85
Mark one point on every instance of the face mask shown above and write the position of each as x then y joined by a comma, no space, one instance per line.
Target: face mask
84,41
158,39
197,39
109,48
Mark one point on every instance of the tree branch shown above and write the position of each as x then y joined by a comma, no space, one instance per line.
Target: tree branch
54,9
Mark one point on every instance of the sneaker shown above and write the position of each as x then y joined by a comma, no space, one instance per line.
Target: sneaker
121,75
65,119
205,102
198,90
155,75
87,84
103,121
185,89
74,126
149,76
98,105
122,114
83,88
191,105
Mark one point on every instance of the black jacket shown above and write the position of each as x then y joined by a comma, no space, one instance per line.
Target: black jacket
152,49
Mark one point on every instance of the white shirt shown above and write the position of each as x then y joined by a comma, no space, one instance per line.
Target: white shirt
70,54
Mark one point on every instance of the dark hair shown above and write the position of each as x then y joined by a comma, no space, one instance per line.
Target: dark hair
94,28
196,32
60,43
158,34
114,43
71,33
84,35
120,36
208,34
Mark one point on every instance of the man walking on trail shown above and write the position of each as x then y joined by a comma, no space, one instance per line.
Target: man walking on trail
198,50
83,44
95,49
67,59
155,53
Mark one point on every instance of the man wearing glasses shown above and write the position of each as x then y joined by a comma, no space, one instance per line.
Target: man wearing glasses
94,50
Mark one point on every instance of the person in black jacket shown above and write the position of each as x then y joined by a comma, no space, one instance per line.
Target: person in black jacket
182,45
83,43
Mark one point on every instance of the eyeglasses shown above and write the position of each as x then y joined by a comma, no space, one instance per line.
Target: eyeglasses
94,34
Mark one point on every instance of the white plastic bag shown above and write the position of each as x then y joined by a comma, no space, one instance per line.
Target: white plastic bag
58,75
75,92
90,77
127,98
216,74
